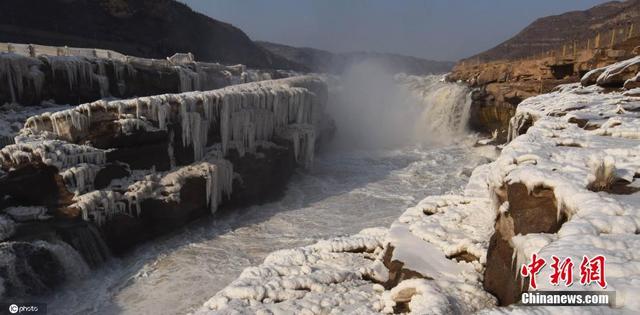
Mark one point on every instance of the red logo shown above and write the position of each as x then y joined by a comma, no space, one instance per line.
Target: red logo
532,269
562,271
591,270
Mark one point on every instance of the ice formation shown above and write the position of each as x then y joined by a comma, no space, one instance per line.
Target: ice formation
125,196
51,152
612,74
80,178
583,146
345,274
210,123
244,115
319,279
20,73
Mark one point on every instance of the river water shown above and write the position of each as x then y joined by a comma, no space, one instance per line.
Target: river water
350,187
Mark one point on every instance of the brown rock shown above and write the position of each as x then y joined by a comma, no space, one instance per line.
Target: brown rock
534,212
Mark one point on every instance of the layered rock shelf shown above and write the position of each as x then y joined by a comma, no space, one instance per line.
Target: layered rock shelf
566,185
31,74
124,171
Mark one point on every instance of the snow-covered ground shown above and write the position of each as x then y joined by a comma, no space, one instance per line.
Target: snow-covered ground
584,145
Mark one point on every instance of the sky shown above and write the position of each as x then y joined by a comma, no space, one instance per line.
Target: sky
432,29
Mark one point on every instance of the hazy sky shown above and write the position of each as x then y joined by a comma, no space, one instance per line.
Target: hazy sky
435,29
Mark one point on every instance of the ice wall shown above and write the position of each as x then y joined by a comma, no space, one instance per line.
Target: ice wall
26,79
210,124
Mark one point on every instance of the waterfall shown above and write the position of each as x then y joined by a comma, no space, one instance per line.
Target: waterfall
376,110
445,107
36,268
87,241
72,263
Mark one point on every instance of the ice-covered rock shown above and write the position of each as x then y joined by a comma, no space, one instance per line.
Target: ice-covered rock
242,115
326,278
442,241
74,77
577,163
615,75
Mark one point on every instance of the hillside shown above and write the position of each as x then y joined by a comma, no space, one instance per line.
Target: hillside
144,28
552,32
324,61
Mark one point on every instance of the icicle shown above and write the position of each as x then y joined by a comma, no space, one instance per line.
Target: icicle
52,152
99,205
20,73
80,178
78,70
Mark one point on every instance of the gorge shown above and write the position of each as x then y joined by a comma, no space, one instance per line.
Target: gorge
130,184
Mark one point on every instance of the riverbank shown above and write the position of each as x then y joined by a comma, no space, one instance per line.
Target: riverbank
503,84
566,185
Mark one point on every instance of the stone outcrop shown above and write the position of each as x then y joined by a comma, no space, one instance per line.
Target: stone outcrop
620,75
138,168
529,212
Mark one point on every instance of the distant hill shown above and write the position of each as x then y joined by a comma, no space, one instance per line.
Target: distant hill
324,61
553,31
144,28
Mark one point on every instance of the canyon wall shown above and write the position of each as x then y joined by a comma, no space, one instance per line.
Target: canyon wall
501,85
31,74
125,171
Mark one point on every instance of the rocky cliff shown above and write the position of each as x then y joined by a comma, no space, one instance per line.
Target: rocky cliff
323,61
552,32
124,171
503,82
151,29
63,75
